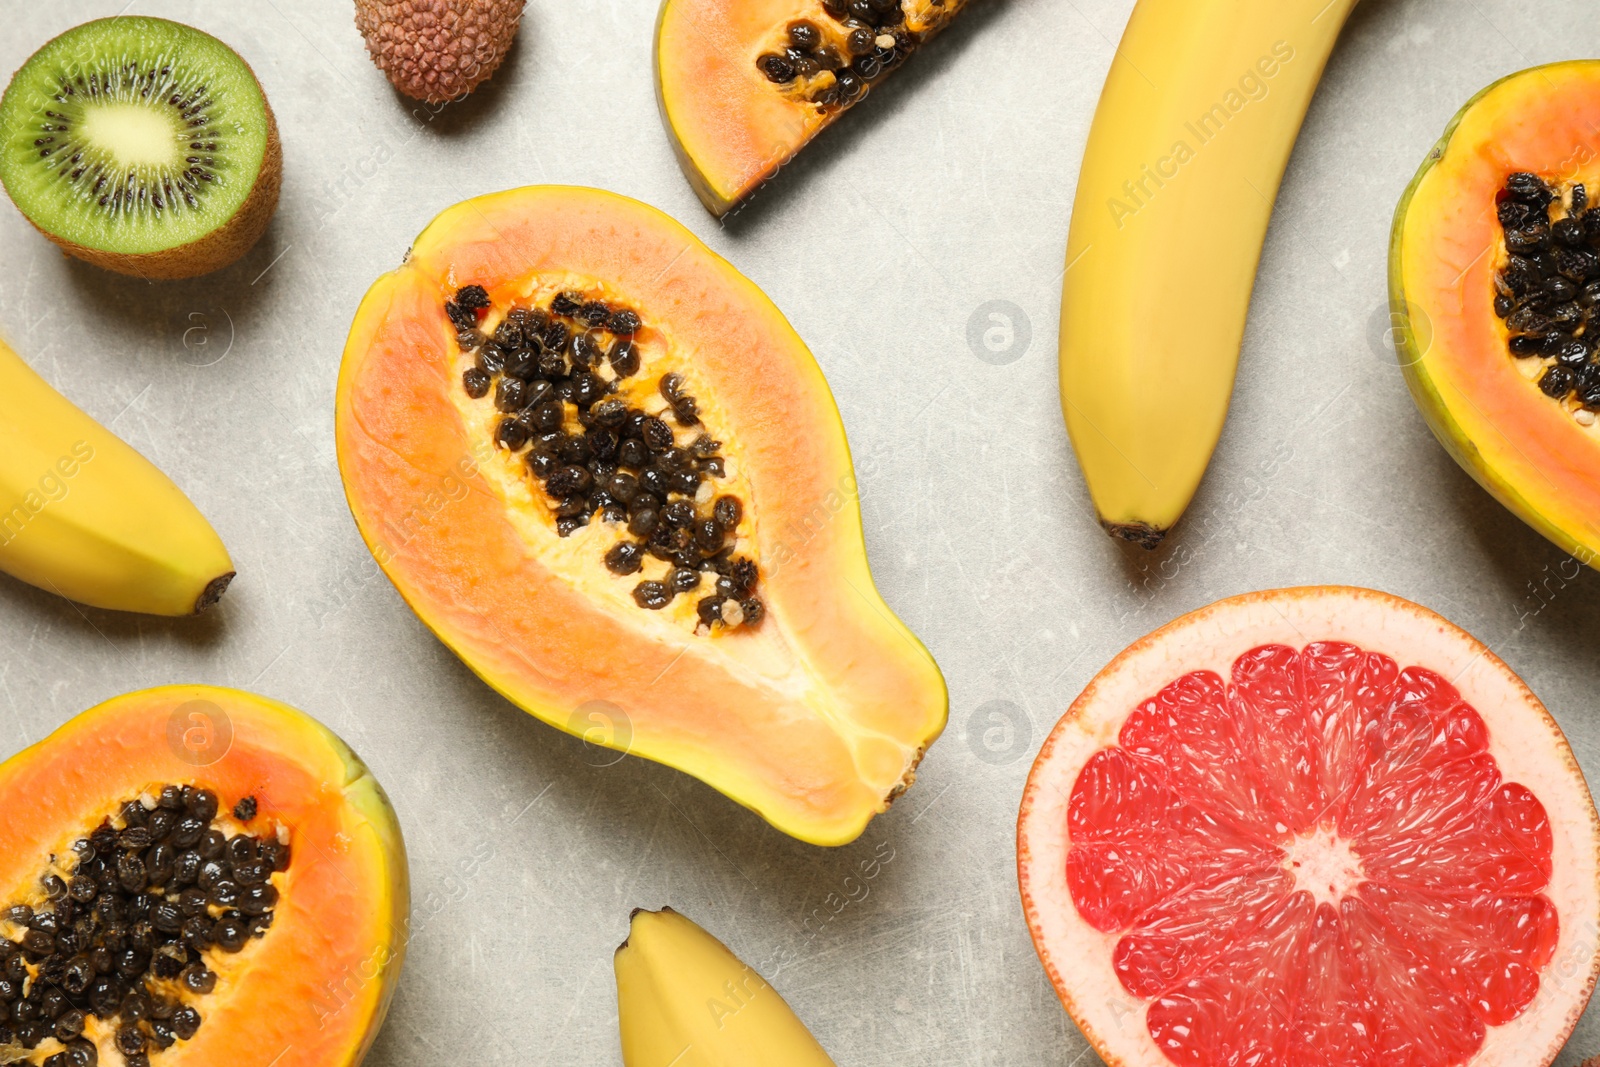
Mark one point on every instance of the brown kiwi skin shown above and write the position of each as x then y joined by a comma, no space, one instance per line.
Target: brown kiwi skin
214,250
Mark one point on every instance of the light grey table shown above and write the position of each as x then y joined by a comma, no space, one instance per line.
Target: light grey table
948,189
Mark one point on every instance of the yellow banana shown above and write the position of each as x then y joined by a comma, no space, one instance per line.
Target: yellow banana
684,1000
84,515
1189,143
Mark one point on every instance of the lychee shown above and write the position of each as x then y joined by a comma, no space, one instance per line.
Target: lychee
438,50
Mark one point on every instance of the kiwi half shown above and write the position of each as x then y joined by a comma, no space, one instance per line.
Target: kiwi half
141,145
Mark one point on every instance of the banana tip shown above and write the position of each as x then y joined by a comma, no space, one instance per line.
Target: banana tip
213,592
1140,533
631,916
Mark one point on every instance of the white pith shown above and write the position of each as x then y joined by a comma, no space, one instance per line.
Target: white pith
1324,865
133,135
1523,739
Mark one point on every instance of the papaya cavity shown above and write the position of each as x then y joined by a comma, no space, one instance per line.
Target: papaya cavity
124,934
615,448
832,58
1547,289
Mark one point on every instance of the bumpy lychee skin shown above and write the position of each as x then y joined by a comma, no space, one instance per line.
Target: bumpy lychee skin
438,50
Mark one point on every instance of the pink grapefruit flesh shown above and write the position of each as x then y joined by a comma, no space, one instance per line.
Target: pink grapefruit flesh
1307,827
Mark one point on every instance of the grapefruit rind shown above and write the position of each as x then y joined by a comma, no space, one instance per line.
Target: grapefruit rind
1525,741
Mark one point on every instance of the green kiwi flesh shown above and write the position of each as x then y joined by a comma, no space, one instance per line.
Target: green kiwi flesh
130,140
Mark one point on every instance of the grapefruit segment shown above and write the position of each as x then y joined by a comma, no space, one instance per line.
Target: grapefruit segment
1420,1021
1189,733
1237,1010
1333,1017
1266,698
1341,683
1141,843
1179,937
1367,845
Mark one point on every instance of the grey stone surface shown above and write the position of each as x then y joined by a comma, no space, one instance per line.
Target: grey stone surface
949,189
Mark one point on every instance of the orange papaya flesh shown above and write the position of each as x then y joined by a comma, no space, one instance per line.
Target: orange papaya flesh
742,89
309,988
817,716
1474,369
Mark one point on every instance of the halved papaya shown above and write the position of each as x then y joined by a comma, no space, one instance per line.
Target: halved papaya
191,873
1494,282
602,467
745,84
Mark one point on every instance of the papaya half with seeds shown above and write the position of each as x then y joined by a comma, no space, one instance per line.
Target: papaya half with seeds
1494,286
743,85
196,875
601,466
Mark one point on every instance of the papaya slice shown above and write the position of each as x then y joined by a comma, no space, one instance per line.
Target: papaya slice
189,872
743,85
601,466
1494,280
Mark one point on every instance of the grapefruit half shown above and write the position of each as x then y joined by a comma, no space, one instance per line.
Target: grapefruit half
1313,826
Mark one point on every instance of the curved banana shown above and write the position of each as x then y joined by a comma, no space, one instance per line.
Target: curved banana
684,1000
1189,143
84,515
